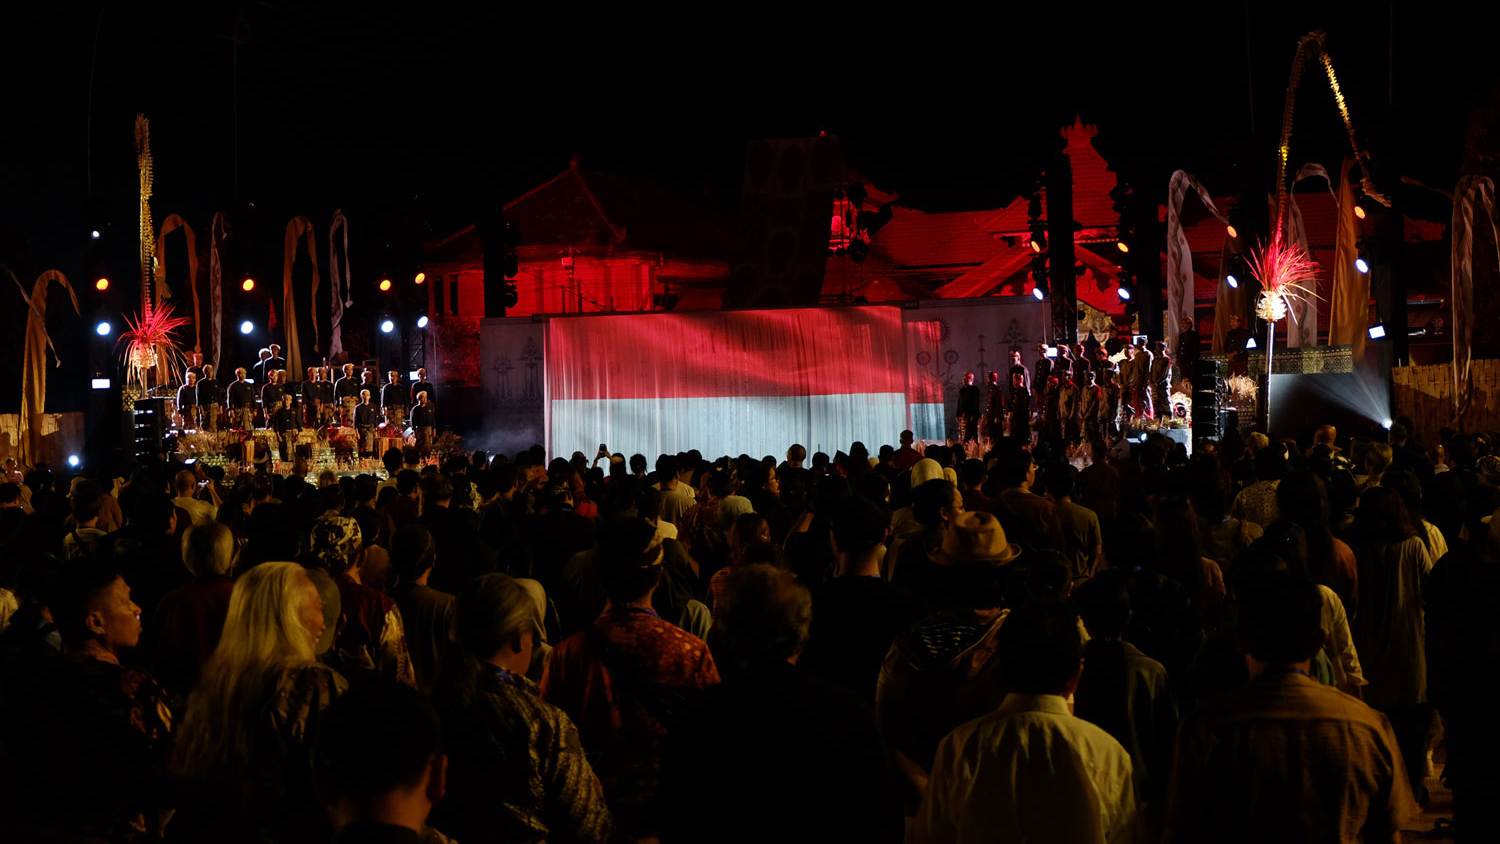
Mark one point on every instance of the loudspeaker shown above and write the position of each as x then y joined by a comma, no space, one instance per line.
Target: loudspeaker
1208,388
148,422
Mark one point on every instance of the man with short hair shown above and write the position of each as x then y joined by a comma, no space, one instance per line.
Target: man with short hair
906,456
91,735
1083,543
241,401
426,612
210,399
185,485
676,497
393,397
263,364
346,395
1287,739
858,612
187,401
1019,508
287,423
628,677
967,410
276,362
1031,770
424,423
796,759
422,385
379,766
364,424
455,534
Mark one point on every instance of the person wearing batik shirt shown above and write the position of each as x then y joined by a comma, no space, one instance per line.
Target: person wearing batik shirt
628,677
373,638
89,727
516,767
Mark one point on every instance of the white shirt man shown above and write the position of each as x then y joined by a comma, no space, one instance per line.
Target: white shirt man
1031,770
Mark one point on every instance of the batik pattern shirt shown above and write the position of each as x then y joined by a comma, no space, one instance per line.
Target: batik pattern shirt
625,680
517,770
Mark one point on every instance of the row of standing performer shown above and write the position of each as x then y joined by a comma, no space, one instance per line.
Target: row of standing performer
1069,396
354,400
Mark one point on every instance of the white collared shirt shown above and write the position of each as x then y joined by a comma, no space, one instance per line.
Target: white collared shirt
1029,771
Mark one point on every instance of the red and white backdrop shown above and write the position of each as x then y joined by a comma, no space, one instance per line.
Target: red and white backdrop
726,382
753,382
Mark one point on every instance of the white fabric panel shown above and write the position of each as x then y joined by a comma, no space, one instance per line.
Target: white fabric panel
755,425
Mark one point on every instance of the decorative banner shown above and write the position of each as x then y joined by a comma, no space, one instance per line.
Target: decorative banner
339,226
217,231
34,362
1470,189
296,229
169,225
1312,45
1180,255
1303,329
1230,302
145,169
1349,316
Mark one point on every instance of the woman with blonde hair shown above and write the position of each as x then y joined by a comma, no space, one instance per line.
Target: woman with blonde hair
244,747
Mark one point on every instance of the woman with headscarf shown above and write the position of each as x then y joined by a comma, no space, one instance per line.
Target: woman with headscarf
516,767
371,638
244,746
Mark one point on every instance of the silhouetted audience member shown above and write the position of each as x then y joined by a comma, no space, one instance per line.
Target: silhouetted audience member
1284,757
793,758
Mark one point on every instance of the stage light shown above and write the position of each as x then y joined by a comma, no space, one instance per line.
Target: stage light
1122,246
1125,293
1386,423
412,376
1233,234
1361,265
1039,293
1038,241
387,326
385,284
101,285
246,327
94,234
1234,283
1250,344
1359,211
99,383
103,329
422,321
247,285
1377,331
421,277
74,461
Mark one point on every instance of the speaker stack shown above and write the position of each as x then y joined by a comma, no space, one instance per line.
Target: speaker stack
148,424
1208,393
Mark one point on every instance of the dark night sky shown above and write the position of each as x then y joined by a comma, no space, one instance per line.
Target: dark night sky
409,119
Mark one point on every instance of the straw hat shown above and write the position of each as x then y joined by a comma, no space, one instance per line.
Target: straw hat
976,538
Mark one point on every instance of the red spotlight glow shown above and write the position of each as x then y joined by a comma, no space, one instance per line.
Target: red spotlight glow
385,284
421,277
102,284
248,285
